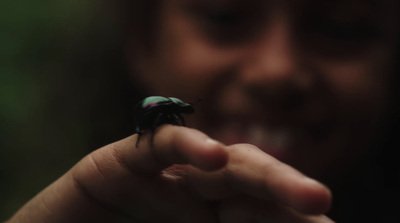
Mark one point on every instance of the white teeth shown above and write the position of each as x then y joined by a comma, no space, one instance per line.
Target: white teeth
275,138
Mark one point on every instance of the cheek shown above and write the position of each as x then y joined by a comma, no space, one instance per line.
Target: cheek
194,64
358,87
184,67
187,61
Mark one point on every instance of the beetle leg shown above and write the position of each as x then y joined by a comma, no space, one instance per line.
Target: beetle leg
139,132
179,117
156,122
138,138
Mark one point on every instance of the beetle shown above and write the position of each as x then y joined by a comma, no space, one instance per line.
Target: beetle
155,111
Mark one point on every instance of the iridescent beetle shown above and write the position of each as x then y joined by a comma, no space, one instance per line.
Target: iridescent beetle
156,110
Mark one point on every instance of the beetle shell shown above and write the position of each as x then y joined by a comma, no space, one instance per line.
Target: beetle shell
156,110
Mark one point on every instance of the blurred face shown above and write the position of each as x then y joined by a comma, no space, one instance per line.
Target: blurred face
304,81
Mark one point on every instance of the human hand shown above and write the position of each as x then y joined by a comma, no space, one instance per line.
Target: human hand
184,177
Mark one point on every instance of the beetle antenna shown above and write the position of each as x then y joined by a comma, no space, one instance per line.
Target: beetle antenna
197,101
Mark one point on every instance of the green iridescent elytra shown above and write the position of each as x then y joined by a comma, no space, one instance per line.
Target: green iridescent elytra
156,110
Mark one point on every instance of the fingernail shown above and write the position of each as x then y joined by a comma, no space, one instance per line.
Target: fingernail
214,142
211,141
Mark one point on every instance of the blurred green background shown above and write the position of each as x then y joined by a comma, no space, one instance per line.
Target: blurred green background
56,91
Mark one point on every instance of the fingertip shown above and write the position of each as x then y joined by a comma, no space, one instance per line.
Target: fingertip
213,156
316,198
191,146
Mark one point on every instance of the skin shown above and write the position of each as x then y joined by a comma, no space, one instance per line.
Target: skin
327,91
120,182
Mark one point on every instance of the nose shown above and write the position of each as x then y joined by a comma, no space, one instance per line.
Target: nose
273,72
272,58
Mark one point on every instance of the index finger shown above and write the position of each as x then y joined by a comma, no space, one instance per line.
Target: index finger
252,172
261,175
172,145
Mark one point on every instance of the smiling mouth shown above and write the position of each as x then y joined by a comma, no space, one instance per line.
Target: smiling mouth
281,142
275,142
